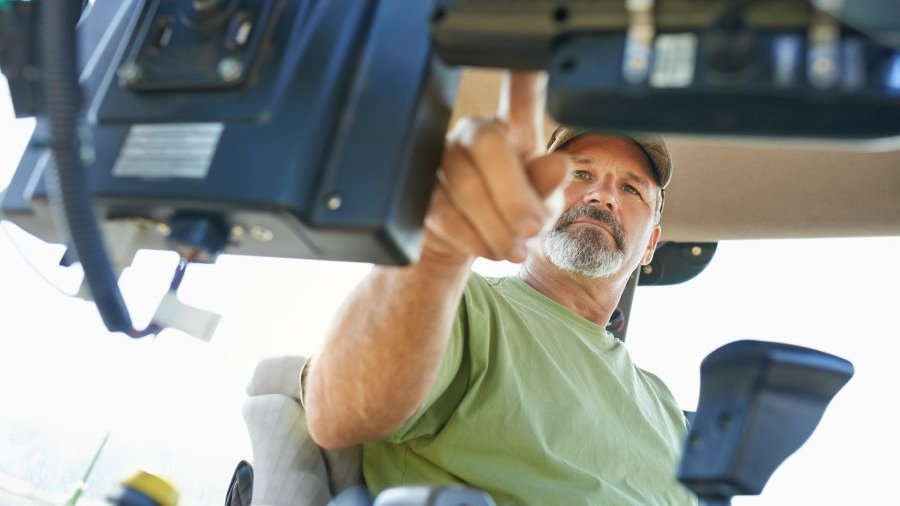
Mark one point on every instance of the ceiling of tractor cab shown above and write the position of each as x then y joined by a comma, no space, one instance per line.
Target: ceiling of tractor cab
743,189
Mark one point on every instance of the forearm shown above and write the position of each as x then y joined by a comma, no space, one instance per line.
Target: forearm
383,351
387,343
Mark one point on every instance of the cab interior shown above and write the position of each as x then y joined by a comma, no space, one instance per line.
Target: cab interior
783,203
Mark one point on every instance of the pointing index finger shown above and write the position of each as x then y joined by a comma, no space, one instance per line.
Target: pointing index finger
523,98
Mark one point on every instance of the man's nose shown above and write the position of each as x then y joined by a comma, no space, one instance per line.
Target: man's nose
602,193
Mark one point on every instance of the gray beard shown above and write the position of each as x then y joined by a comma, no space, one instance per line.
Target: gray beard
582,251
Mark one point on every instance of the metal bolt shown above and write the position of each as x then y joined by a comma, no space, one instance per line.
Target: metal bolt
164,229
824,67
243,32
165,35
130,73
238,231
204,5
334,202
648,269
230,69
696,250
637,62
261,233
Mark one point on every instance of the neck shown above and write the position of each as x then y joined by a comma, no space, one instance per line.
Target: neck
595,299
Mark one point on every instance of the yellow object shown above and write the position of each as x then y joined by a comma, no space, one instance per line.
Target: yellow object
155,487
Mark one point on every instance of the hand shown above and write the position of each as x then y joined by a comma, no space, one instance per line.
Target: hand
494,186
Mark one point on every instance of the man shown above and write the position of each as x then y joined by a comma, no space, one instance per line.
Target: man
518,389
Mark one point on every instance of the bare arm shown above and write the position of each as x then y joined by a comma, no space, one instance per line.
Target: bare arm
386,345
384,352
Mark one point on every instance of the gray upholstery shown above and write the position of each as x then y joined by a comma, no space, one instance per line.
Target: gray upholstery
289,469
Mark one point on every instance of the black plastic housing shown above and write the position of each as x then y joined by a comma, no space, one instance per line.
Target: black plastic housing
327,141
677,262
712,68
759,402
19,55
585,91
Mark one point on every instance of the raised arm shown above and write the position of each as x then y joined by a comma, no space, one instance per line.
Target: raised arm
386,344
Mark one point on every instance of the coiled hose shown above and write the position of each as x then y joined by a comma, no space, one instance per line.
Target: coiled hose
62,96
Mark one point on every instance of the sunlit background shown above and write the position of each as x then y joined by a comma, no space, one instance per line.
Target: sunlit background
173,404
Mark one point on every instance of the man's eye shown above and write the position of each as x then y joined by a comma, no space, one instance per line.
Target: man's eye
631,189
581,174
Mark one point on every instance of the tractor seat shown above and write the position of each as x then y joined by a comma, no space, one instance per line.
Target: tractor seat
289,469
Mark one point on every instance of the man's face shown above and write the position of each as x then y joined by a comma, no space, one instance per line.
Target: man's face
609,225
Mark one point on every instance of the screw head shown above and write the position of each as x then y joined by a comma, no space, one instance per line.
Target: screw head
334,202
164,229
130,73
637,62
203,5
824,67
261,233
696,251
230,69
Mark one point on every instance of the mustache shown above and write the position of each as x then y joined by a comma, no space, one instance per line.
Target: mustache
601,215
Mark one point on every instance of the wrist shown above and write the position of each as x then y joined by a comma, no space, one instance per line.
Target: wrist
438,253
446,260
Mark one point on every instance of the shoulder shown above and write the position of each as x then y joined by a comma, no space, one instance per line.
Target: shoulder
479,287
658,386
490,294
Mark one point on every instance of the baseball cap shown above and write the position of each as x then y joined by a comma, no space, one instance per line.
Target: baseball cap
652,145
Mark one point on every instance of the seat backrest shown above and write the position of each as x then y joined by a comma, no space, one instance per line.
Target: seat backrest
289,468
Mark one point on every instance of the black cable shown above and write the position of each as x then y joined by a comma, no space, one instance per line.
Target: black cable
62,95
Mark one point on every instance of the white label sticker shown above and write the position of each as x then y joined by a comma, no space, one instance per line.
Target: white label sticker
169,150
674,57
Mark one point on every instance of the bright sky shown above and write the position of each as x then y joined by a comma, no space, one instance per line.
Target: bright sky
173,404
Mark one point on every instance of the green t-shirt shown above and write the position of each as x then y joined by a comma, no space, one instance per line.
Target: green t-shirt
536,406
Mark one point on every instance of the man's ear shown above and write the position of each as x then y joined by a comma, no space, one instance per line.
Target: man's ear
651,245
